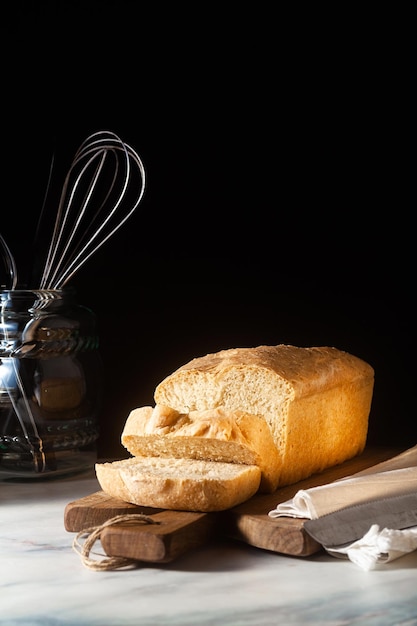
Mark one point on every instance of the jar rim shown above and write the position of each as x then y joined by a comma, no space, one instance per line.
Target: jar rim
35,299
39,293
35,291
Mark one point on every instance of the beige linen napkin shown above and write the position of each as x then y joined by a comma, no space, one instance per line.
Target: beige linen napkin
397,476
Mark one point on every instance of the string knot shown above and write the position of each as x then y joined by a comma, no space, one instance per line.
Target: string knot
92,534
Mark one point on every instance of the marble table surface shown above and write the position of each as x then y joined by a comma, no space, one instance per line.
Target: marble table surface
44,582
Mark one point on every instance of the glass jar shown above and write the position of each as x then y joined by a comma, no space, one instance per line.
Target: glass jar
50,384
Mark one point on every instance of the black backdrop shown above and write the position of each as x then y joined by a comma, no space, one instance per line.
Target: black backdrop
277,207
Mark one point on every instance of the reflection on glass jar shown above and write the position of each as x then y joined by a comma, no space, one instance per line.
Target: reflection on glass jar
50,383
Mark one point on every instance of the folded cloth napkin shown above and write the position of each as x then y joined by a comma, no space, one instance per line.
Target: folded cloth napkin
378,546
396,476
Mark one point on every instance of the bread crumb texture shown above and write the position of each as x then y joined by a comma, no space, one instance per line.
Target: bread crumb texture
179,484
211,435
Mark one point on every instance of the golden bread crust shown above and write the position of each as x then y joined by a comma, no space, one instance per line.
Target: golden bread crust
306,370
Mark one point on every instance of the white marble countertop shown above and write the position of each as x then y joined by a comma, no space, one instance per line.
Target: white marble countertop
43,581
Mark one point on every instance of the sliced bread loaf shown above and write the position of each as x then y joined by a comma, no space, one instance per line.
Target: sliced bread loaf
316,401
210,435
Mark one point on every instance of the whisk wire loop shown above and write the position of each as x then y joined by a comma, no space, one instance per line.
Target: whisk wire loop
65,257
9,263
62,217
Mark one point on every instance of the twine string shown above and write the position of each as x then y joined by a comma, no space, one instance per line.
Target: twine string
85,539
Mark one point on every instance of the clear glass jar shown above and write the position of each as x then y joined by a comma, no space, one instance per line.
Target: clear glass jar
50,384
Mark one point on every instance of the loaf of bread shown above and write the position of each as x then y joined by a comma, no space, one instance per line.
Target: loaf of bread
179,484
228,424
316,401
210,435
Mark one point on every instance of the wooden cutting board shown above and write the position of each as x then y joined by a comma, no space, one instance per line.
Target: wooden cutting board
176,532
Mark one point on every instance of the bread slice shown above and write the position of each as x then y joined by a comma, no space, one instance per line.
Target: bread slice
210,435
179,484
316,401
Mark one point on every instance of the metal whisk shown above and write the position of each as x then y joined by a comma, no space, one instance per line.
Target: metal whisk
97,198
102,189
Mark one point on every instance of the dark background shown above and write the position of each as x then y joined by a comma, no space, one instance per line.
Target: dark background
278,148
